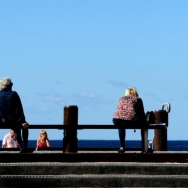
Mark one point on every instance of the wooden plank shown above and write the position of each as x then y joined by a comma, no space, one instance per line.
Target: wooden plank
80,127
128,125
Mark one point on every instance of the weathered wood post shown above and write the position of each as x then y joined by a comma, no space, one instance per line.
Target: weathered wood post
70,140
160,135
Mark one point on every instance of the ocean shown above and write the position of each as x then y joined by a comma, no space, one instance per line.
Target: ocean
173,145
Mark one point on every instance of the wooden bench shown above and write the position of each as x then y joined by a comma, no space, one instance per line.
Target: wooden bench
129,125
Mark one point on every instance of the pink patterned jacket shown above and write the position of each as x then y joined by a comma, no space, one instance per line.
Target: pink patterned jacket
130,108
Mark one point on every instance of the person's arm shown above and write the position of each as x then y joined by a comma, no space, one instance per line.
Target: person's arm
4,142
47,143
19,113
140,110
37,145
17,144
120,105
119,109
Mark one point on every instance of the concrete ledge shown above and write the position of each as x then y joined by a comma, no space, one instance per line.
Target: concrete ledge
94,180
181,157
98,174
93,168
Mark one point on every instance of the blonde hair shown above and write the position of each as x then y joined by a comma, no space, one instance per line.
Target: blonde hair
5,83
43,132
131,91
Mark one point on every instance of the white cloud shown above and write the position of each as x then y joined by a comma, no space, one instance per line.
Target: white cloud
90,101
51,97
86,101
39,110
58,82
118,84
88,95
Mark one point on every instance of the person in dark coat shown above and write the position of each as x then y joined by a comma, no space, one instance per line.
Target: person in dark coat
11,112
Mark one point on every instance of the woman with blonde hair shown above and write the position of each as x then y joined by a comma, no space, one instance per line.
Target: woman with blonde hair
131,91
43,141
130,107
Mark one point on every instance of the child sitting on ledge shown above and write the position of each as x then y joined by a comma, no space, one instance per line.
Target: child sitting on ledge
10,140
43,141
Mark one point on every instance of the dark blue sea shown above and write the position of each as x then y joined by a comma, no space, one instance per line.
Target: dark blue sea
173,145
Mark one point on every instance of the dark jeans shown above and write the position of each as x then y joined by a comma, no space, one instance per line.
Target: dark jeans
21,138
122,132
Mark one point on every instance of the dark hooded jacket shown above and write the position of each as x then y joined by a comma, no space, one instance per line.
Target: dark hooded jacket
11,107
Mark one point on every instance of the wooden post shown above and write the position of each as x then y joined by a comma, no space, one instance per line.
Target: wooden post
70,140
144,140
160,136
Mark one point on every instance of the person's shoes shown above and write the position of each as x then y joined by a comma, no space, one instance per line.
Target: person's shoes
121,150
25,150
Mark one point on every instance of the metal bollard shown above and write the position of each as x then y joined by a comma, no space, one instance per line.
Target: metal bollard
160,135
70,141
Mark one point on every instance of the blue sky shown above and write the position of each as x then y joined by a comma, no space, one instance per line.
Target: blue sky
86,53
